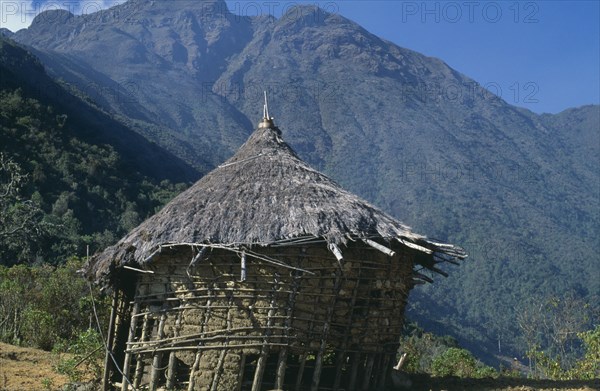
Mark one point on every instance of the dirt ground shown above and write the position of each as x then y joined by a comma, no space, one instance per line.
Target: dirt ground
26,369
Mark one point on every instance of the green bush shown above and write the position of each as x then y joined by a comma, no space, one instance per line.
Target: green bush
83,358
585,367
42,305
461,363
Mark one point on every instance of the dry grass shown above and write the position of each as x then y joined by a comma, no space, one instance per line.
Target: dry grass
27,369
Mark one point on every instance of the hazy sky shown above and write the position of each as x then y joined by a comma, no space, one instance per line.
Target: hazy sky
543,55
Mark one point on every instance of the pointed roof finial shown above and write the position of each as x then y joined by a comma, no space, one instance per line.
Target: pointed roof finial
267,121
266,111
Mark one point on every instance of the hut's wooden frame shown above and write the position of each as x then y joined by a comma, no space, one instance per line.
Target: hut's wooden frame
306,311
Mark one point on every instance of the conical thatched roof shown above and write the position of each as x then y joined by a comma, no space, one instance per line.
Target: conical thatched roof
263,195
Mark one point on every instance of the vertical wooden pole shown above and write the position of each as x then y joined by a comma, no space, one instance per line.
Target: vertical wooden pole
139,365
384,369
130,338
108,364
301,371
172,366
368,370
266,348
241,374
354,371
219,368
282,359
205,320
156,362
193,370
339,368
347,332
325,333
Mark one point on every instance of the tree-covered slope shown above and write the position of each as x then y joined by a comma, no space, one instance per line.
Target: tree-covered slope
68,169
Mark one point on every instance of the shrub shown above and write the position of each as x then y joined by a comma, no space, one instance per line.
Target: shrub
461,363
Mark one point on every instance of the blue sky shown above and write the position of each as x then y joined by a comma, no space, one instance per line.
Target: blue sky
542,55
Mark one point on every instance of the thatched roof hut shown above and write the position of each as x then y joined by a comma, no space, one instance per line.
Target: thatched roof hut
265,273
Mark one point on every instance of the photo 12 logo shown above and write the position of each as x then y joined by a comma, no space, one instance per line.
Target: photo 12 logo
22,13
469,11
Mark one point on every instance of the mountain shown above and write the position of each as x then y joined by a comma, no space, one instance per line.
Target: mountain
88,177
403,130
4,32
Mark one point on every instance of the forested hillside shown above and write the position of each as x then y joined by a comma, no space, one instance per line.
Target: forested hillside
66,182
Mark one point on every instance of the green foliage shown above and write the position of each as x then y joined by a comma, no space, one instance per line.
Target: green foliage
554,333
586,367
422,347
48,384
439,356
41,306
76,193
83,356
461,363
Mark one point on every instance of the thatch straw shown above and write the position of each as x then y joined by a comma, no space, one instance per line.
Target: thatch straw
264,194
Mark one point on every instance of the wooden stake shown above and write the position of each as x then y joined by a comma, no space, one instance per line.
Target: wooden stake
241,374
130,338
109,342
139,366
325,333
282,360
301,371
196,363
342,354
218,369
264,353
172,366
383,371
243,267
368,369
354,371
156,362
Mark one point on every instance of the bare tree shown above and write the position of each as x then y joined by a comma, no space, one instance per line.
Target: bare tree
551,325
20,217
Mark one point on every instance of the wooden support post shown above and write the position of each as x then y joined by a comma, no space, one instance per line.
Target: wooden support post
282,359
383,371
368,370
108,364
301,371
354,371
264,353
339,369
172,366
194,368
375,373
243,272
241,374
342,354
139,365
325,333
157,360
196,363
130,338
219,368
